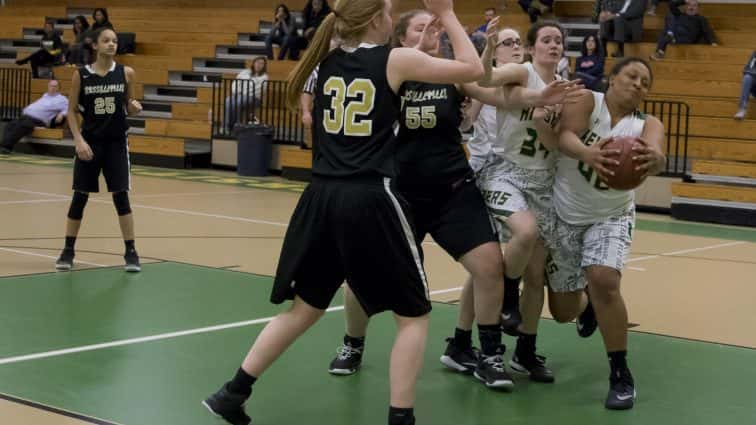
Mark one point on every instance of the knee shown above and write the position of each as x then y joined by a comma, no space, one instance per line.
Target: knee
524,229
79,201
121,202
603,284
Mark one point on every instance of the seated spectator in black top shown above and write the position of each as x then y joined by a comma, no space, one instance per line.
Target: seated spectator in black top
621,21
49,54
283,33
314,13
536,8
48,111
589,67
80,52
686,28
100,19
749,86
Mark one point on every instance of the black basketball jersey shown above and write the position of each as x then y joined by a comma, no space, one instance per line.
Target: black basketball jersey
430,149
102,102
355,114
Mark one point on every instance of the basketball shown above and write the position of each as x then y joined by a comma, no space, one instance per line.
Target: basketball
625,177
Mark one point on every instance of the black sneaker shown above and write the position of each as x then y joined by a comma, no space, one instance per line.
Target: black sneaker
491,371
347,361
228,405
4,150
132,261
65,261
586,323
532,365
463,360
621,391
510,321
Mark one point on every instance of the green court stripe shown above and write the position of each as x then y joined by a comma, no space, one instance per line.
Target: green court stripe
697,229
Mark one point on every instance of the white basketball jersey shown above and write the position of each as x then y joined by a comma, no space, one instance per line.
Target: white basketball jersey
484,131
517,139
579,196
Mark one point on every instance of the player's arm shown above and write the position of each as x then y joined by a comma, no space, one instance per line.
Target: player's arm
574,120
133,106
650,152
83,150
409,64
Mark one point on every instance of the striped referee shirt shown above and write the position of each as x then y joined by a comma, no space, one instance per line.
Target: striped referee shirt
312,81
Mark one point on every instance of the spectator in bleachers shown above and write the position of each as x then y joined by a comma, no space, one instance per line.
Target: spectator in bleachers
50,52
621,22
49,111
246,92
684,28
488,14
536,8
80,52
749,86
100,19
283,33
590,65
314,13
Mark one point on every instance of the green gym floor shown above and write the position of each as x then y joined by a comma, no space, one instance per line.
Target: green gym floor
97,345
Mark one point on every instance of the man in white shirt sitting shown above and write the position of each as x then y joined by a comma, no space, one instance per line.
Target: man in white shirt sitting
49,111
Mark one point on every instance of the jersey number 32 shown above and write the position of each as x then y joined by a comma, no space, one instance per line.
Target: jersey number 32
349,105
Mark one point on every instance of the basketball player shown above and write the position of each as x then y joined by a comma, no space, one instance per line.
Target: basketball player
436,179
517,183
103,93
593,223
349,224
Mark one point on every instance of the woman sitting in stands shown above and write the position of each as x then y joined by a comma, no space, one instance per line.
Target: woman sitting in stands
48,54
246,92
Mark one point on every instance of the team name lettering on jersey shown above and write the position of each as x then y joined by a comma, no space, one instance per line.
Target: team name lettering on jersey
105,88
424,95
589,137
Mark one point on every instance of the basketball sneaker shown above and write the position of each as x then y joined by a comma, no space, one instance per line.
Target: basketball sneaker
586,322
65,261
348,360
621,390
461,359
491,371
132,261
533,365
229,406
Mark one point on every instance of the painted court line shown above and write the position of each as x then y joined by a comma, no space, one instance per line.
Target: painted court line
158,337
34,254
161,209
31,201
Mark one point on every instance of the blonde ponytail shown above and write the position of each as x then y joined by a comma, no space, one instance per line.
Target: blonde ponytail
314,54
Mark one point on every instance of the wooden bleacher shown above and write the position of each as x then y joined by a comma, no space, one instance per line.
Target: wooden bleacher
172,35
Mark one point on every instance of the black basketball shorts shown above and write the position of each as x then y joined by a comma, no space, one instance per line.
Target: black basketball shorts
356,231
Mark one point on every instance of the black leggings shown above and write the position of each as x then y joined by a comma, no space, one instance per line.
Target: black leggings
39,58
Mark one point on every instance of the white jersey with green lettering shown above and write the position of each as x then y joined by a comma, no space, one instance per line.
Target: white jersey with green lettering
517,139
579,196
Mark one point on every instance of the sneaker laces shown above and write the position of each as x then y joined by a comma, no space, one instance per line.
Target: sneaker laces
497,360
345,351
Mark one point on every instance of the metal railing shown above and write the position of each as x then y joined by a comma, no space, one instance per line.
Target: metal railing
15,92
241,102
675,116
